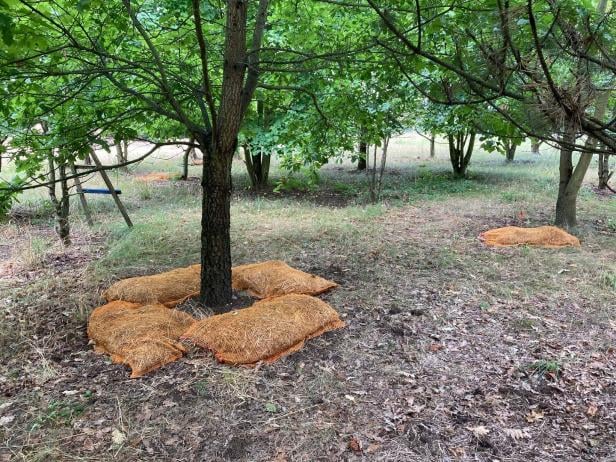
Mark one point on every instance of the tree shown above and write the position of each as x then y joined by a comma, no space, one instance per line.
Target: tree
604,170
523,51
145,51
458,125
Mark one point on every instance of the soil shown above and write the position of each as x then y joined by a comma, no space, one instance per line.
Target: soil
452,351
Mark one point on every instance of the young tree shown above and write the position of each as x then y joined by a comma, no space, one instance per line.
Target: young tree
146,51
551,57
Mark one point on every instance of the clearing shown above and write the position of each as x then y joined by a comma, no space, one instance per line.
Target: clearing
452,351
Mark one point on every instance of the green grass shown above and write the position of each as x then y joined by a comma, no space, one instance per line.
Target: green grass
167,215
62,412
545,367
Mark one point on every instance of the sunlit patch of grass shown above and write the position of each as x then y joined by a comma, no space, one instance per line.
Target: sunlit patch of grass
608,279
545,367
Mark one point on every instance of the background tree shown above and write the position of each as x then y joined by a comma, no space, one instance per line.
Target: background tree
550,57
145,50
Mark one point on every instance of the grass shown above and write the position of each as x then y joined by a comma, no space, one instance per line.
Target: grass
442,334
61,412
545,367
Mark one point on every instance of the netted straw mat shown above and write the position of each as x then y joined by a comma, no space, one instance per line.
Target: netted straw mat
142,337
274,278
542,236
267,331
153,177
168,288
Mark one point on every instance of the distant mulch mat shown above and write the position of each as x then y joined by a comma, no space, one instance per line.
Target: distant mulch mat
144,337
275,278
542,236
139,327
267,331
169,288
153,177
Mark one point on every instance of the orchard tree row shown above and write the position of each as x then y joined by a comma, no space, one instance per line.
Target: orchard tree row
305,80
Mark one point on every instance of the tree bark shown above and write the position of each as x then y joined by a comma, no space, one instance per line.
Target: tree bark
460,159
432,147
187,154
510,149
382,169
534,145
125,149
82,196
604,169
257,166
363,155
373,177
61,205
215,229
2,149
120,154
567,197
239,80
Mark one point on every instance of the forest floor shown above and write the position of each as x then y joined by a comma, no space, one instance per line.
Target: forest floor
452,351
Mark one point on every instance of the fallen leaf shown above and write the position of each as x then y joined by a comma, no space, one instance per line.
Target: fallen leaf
373,448
516,433
88,445
592,410
281,456
117,437
355,444
436,347
534,416
7,419
479,431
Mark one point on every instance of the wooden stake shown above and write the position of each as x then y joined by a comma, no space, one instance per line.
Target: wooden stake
82,197
107,181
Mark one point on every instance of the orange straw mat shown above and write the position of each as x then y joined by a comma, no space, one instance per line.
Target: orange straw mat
274,278
168,288
543,236
267,331
143,337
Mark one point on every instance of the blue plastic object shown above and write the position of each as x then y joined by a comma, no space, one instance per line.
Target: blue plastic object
100,191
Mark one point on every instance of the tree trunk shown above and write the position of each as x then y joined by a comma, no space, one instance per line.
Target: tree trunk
216,289
2,150
125,149
257,166
187,154
604,170
363,155
510,149
61,205
63,227
432,147
120,153
239,80
382,170
567,194
534,145
459,158
373,178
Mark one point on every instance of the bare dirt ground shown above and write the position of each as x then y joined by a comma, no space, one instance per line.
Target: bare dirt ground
452,351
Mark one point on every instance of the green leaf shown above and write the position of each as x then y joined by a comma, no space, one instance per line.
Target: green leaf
6,28
271,407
